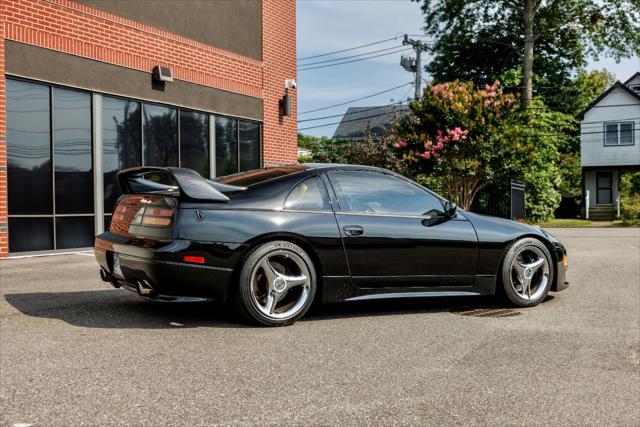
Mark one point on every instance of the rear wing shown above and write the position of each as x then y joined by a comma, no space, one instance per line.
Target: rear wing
186,184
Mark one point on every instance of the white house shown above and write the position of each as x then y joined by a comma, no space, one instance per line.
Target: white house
609,146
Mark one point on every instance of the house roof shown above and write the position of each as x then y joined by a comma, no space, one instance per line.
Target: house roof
637,74
378,120
607,92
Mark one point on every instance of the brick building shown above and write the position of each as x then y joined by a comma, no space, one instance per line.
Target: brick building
78,102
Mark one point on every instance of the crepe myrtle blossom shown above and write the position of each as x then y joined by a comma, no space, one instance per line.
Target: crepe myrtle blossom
452,113
401,143
455,133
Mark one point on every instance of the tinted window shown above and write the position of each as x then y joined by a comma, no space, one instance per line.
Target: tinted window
160,131
74,232
259,175
249,145
194,141
30,234
373,192
226,146
72,148
121,133
28,148
310,195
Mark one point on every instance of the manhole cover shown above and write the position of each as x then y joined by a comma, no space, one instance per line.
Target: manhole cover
487,312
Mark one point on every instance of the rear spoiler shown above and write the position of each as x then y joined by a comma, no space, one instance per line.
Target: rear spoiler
182,182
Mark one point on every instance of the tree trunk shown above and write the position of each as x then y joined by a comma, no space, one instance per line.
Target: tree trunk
527,60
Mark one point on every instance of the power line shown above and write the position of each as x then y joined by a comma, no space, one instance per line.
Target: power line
390,112
609,121
355,100
351,56
348,121
354,60
346,50
355,112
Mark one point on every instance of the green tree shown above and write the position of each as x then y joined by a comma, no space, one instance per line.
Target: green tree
548,41
459,139
368,151
630,198
540,137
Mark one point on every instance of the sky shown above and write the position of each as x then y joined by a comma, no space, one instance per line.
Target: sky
329,25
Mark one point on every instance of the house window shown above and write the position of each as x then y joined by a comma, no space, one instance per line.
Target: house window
620,133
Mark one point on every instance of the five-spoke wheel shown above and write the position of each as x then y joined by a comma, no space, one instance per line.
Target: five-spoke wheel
277,284
527,272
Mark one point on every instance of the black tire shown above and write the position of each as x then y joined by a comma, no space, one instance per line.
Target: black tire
245,299
510,278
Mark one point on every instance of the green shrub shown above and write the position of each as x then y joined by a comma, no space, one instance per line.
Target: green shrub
630,198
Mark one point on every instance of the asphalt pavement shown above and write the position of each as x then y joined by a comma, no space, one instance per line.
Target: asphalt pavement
74,351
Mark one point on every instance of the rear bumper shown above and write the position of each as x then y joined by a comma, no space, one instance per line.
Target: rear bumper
159,271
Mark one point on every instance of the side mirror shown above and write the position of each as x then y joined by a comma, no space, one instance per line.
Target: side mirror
450,209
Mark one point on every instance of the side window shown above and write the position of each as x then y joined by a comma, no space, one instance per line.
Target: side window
309,195
374,192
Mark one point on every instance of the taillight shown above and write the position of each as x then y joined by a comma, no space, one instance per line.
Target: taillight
152,220
157,217
159,212
137,219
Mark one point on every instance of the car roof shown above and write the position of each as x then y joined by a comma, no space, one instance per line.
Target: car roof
276,173
341,166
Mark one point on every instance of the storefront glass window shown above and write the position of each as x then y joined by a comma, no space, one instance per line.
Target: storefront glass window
121,141
160,130
194,141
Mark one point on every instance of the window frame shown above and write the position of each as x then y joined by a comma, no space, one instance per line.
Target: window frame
340,198
618,124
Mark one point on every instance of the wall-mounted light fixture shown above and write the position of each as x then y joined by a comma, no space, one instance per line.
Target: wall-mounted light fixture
285,103
162,74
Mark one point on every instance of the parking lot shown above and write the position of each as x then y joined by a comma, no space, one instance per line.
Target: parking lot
74,351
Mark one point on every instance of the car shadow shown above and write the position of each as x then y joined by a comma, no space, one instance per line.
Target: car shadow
122,310
386,307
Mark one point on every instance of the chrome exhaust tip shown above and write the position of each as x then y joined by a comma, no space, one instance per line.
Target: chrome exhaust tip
106,277
145,289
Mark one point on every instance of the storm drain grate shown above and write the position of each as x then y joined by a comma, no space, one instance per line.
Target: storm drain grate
487,312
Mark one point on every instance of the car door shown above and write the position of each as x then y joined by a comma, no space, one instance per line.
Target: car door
395,233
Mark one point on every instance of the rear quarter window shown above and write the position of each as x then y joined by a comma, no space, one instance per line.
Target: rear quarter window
309,195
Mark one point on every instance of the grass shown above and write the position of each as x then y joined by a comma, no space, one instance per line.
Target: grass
569,223
576,223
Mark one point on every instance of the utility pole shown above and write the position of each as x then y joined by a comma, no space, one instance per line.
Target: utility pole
414,65
528,16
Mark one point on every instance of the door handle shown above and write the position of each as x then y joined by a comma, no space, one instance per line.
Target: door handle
353,230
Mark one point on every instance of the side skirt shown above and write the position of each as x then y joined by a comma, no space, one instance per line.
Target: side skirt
341,288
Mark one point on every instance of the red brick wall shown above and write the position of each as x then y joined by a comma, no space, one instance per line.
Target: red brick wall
279,56
76,29
4,236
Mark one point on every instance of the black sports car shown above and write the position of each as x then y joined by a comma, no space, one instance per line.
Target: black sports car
273,240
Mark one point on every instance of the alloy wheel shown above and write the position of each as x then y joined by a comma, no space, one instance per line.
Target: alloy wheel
280,284
530,273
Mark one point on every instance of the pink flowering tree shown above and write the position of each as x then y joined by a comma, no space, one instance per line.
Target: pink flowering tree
454,137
